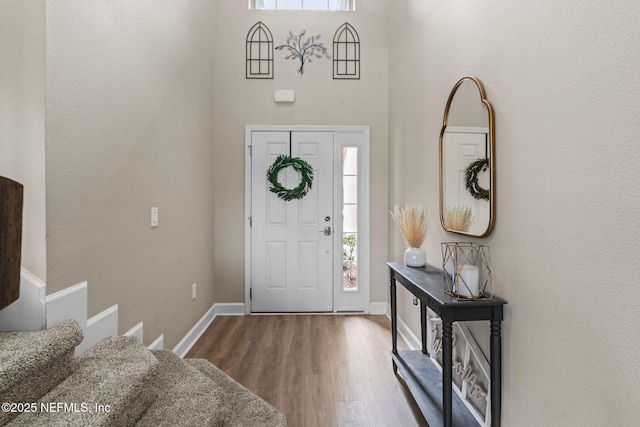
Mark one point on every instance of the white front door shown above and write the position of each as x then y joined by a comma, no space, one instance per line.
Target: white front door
291,255
464,146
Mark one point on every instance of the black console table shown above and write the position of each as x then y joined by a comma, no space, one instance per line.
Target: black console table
433,391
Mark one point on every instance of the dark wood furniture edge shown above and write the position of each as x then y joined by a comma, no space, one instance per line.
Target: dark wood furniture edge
11,199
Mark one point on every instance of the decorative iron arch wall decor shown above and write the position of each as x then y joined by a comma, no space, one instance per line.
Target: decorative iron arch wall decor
259,52
346,53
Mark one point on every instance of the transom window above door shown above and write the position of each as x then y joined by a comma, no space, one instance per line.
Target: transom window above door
302,4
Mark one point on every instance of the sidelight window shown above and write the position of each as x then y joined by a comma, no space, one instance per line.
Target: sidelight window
350,218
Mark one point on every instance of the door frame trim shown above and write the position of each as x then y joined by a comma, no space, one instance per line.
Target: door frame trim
364,216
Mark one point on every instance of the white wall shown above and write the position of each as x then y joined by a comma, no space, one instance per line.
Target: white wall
561,77
320,100
22,105
130,125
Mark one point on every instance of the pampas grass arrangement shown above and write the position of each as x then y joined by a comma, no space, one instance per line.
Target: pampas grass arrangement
458,218
412,222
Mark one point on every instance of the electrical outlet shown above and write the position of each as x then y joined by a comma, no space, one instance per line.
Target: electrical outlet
193,291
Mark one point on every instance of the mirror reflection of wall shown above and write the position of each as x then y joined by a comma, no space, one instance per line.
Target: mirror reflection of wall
466,108
466,163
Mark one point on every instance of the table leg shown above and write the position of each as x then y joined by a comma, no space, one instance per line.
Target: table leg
447,365
496,371
423,327
394,319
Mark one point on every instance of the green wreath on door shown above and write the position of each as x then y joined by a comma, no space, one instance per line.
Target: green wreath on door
472,179
302,167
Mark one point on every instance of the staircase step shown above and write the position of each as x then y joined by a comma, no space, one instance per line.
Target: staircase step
243,407
185,396
112,374
46,356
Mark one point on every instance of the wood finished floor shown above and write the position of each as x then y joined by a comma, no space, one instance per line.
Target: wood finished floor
318,370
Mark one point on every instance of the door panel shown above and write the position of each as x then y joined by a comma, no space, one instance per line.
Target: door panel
308,273
291,258
276,264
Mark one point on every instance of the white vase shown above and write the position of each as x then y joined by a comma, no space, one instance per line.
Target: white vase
415,257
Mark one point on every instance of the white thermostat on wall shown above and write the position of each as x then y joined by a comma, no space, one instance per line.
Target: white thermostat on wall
284,96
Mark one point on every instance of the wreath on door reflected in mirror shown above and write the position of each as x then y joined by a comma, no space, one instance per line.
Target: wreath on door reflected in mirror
472,179
306,177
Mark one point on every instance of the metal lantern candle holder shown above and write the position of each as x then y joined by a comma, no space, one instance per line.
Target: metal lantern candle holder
467,270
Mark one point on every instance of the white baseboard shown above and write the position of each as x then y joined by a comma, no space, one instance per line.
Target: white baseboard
198,329
137,331
69,303
99,327
28,313
158,344
408,336
378,308
406,333
228,309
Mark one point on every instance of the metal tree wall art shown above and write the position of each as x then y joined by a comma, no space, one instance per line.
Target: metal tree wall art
303,51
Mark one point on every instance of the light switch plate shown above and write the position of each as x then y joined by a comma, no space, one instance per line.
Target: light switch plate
154,217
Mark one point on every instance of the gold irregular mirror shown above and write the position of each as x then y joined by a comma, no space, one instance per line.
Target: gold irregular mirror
467,173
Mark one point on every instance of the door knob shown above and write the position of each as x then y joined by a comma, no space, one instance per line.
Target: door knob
326,231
